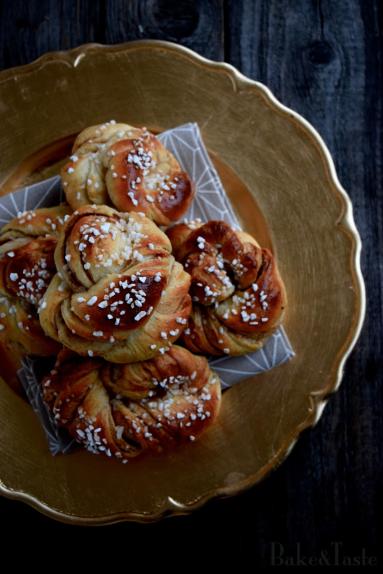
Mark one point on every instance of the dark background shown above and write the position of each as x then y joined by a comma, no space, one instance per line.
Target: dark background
324,60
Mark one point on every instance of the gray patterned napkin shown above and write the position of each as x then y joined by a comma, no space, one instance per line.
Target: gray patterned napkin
59,441
211,202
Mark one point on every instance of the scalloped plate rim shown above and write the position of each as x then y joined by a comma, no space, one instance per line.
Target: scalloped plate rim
317,403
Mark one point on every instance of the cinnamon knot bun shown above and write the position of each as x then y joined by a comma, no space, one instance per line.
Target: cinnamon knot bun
118,293
128,168
27,245
237,293
124,410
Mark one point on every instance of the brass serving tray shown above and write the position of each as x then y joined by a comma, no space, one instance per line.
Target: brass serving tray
276,169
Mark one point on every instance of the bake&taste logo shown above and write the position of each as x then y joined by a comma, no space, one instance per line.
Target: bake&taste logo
334,555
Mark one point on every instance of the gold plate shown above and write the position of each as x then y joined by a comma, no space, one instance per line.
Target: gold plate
277,170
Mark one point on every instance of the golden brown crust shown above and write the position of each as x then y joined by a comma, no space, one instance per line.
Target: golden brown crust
26,267
27,245
40,222
118,293
237,292
125,410
128,168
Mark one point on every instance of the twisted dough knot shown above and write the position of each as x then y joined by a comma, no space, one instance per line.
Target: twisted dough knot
118,293
128,168
238,295
27,245
124,410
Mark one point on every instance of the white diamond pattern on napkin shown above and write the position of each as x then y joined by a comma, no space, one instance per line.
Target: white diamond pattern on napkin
210,202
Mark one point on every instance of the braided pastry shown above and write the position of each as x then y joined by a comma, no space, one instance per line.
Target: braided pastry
119,293
238,295
124,410
27,245
128,168
41,222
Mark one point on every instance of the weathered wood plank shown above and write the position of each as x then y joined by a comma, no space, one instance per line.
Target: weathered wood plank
197,25
324,59
29,29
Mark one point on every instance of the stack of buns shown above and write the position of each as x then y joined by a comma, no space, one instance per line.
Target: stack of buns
131,310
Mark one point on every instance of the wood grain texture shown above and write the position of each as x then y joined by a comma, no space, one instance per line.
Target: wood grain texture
28,29
323,59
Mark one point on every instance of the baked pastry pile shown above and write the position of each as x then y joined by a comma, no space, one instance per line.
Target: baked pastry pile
98,284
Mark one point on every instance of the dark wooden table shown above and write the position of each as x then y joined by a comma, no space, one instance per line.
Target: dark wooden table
324,59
